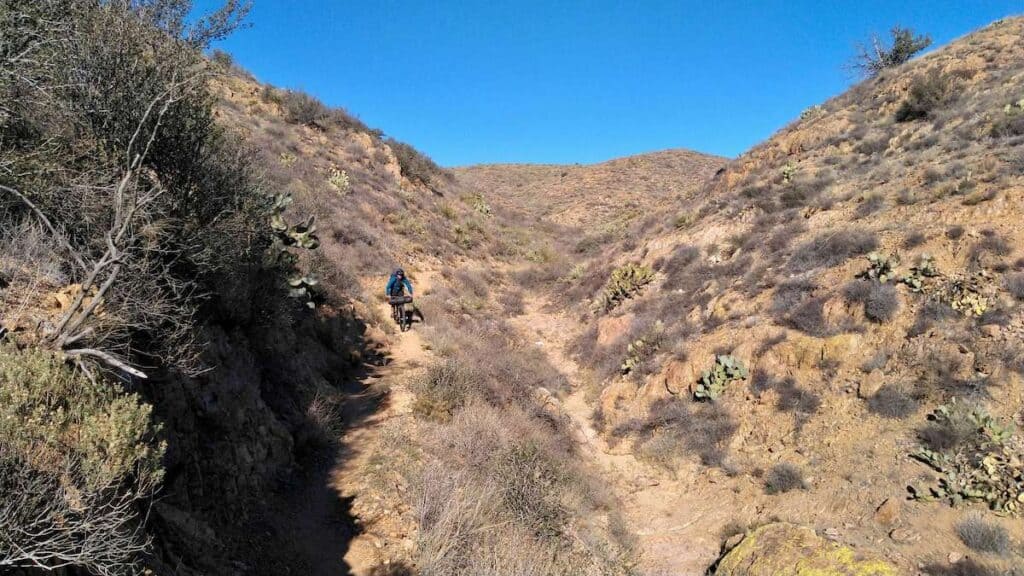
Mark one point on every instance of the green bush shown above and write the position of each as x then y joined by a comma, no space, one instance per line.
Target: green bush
301,108
415,166
74,455
927,92
871,60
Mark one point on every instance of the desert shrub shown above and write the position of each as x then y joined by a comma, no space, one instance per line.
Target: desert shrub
673,428
1010,122
784,477
679,262
602,360
913,240
1015,285
794,398
882,303
873,59
501,496
906,197
831,249
871,146
783,236
75,455
445,387
983,536
971,567
198,218
415,166
512,302
794,304
871,204
302,108
991,243
892,401
926,93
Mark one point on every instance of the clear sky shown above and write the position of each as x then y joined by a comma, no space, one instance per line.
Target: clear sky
582,81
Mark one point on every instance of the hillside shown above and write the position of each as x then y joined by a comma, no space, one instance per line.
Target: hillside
598,196
768,264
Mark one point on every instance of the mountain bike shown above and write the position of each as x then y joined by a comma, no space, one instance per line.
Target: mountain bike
400,312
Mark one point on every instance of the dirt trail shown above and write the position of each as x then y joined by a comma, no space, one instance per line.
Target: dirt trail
387,387
676,523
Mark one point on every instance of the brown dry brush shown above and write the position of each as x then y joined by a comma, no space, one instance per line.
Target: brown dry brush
110,144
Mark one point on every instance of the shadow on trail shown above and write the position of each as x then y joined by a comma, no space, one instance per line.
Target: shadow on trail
250,488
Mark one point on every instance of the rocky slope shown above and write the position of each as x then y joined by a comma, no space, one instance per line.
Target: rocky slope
768,264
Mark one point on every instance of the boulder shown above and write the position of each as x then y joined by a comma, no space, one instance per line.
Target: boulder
783,549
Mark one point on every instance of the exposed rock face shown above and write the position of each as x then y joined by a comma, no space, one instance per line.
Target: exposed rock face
788,550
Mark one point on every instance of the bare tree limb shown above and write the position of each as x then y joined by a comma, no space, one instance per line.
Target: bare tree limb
108,358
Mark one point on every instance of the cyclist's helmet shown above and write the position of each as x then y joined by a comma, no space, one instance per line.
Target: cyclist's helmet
400,272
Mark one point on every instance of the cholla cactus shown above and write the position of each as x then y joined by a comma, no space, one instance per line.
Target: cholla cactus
479,204
788,172
1014,108
812,112
338,179
713,382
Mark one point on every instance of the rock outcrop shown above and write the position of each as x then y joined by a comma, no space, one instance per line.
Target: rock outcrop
783,549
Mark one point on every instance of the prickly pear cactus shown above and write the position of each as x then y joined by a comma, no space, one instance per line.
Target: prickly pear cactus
643,348
881,268
713,382
987,466
303,287
967,295
917,279
624,283
1014,108
287,236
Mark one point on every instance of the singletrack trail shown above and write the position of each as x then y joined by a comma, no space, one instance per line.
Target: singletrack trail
387,391
676,522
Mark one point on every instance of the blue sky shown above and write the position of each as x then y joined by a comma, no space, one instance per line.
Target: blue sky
583,81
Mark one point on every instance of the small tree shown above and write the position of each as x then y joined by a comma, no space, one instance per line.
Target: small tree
871,60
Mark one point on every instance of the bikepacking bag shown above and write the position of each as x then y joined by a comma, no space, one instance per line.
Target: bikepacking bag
401,300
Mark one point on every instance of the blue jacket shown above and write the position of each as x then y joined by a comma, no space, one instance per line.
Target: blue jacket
391,285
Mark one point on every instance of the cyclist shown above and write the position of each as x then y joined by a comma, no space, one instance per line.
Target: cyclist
395,290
